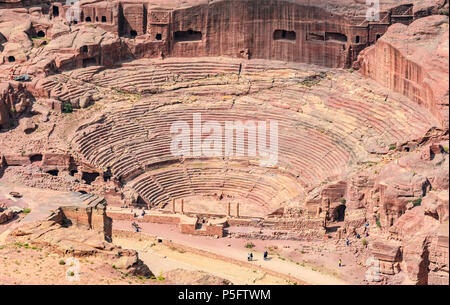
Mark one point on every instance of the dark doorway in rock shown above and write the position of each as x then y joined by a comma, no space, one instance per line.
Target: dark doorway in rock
89,62
107,175
158,36
340,213
73,172
89,177
40,34
284,35
55,11
84,49
88,19
133,33
188,35
378,37
36,158
53,172
357,39
11,59
103,18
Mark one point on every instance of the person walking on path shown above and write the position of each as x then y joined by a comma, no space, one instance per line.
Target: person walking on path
347,242
249,257
340,262
265,255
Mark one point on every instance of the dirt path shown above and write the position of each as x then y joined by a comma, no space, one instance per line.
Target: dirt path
233,250
161,258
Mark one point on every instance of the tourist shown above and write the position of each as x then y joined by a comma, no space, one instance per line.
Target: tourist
265,255
249,257
347,242
340,263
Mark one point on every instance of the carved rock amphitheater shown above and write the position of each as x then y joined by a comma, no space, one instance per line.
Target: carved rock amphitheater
90,92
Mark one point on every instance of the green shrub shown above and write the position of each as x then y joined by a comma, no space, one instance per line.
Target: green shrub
62,262
417,202
365,242
67,108
392,147
26,211
250,245
342,200
445,149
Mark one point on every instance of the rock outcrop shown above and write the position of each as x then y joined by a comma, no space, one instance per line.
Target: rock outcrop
413,60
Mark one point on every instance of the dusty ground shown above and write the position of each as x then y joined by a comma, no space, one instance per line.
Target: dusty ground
309,262
22,264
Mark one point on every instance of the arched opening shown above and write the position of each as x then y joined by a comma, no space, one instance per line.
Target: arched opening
40,34
133,33
89,177
55,11
158,36
53,172
357,39
339,213
84,49
96,18
103,18
88,19
11,59
36,158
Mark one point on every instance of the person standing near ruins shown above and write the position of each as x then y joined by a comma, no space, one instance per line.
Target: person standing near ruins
265,255
340,262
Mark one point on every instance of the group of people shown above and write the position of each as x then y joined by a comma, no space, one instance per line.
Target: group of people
250,256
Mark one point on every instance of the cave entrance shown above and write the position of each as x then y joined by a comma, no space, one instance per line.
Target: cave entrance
36,158
186,36
158,36
11,59
339,213
284,35
73,172
89,177
88,62
357,39
378,37
103,18
53,172
55,11
88,19
133,33
40,34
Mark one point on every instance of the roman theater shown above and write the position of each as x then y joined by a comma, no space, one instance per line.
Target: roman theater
349,100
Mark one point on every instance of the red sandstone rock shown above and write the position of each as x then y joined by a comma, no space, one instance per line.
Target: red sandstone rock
413,60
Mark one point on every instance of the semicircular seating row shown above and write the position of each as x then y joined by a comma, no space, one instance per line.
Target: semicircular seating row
322,132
